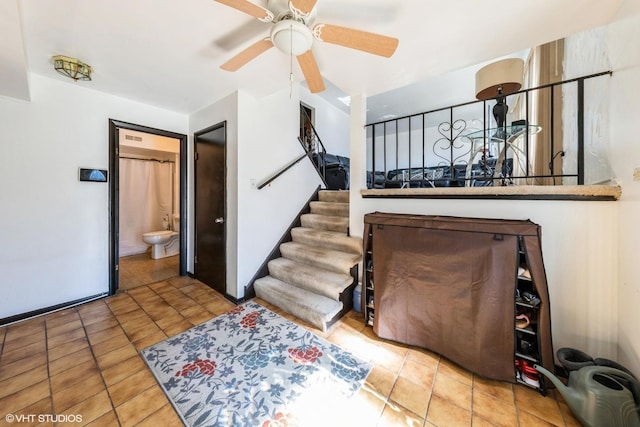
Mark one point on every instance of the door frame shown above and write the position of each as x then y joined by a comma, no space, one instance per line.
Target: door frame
223,125
114,195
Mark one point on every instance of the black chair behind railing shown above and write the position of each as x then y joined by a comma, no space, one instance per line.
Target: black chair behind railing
452,146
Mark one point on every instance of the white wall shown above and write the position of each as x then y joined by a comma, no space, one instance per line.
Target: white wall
55,229
268,141
624,112
331,123
224,110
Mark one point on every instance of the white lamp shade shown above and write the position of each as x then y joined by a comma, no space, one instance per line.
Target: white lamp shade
499,78
291,37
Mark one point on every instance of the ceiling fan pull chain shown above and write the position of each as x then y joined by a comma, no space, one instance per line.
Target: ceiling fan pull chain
291,61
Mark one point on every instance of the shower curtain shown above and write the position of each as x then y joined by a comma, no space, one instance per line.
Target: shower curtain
146,195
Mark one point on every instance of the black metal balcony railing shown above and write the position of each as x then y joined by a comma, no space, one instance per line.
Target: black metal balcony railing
456,146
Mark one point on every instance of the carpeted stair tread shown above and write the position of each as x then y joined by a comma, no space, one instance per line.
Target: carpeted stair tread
330,208
333,196
313,308
313,279
327,239
340,262
325,222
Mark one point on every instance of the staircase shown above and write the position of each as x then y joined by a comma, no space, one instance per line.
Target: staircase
313,279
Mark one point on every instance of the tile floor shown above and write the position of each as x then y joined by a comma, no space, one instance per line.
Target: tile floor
138,270
84,361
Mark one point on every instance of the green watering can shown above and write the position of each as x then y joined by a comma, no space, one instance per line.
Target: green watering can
600,396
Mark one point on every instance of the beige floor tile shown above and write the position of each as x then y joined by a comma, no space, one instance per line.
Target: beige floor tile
568,417
219,306
131,387
394,416
449,368
418,373
25,397
169,320
178,328
442,412
23,380
60,318
58,340
72,377
71,396
32,413
387,358
150,340
106,334
529,420
68,348
10,353
533,402
90,408
411,396
381,380
103,323
22,329
108,419
165,416
72,325
109,345
423,357
119,372
496,411
452,390
18,340
120,354
498,389
12,369
143,332
141,406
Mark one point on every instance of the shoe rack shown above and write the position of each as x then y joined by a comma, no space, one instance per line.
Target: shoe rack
368,290
527,308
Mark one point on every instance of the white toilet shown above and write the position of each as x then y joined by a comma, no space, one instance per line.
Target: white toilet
164,243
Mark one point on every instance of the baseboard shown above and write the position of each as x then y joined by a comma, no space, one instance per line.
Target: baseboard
51,309
234,300
263,271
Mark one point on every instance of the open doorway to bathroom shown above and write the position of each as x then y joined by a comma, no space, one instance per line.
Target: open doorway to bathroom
148,205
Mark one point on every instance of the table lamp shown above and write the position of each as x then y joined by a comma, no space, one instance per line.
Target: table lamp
497,80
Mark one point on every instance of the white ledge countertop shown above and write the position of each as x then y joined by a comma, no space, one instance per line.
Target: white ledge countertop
522,192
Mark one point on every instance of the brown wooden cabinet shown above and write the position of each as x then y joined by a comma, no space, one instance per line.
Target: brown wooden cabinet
455,286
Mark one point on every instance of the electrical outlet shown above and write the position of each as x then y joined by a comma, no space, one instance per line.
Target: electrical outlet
636,174
252,183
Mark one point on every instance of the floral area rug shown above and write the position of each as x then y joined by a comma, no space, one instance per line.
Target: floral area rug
252,367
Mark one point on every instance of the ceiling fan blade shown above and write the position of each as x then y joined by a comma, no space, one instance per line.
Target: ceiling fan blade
311,71
247,55
302,6
356,39
250,9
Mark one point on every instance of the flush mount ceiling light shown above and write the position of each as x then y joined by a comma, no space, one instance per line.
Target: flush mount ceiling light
72,68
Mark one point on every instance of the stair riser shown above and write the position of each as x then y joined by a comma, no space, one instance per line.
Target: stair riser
334,196
326,284
320,224
333,209
351,246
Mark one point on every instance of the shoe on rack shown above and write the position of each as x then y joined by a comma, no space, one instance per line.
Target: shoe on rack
531,298
522,321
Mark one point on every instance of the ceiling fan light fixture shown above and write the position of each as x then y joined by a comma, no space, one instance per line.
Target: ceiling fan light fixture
291,37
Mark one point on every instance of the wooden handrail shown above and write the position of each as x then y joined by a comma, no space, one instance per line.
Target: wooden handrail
281,171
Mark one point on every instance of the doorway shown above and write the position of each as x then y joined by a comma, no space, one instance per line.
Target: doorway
210,206
145,158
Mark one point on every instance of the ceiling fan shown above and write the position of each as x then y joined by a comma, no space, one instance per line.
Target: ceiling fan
292,34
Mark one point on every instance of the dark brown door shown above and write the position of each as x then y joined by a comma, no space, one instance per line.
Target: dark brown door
210,210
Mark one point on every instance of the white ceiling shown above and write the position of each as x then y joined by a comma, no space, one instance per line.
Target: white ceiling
167,53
